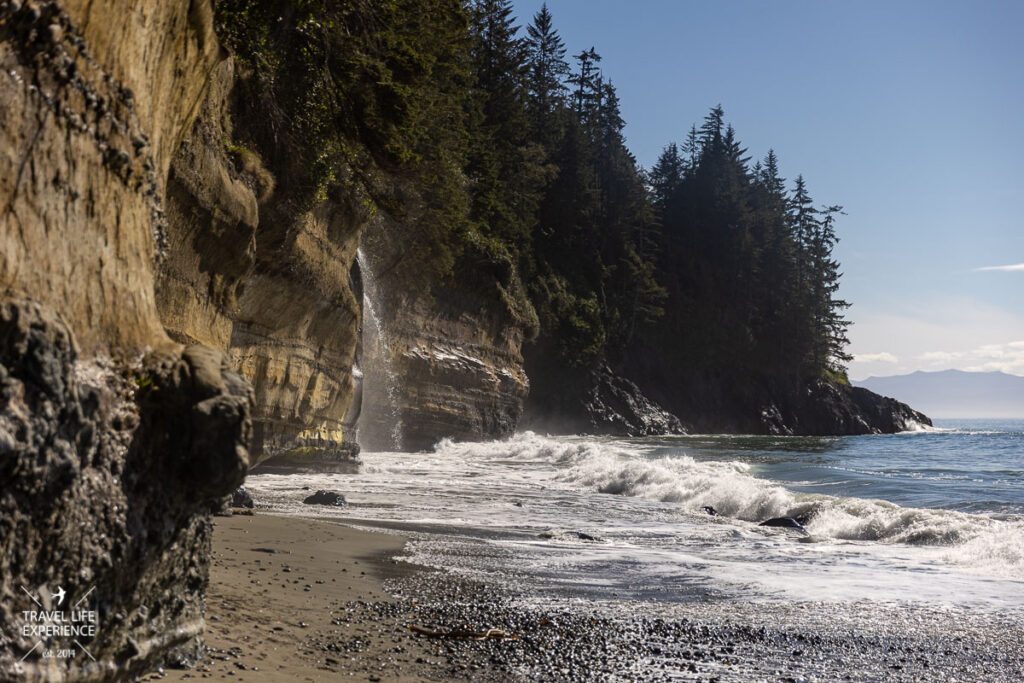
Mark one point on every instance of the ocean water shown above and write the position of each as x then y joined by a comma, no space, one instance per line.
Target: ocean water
933,516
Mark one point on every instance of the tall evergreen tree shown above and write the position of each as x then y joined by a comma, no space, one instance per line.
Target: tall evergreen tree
667,175
547,72
829,351
586,84
691,150
503,170
711,129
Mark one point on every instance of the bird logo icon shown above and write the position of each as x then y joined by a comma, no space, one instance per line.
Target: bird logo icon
59,595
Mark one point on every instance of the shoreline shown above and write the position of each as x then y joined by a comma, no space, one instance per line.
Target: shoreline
333,602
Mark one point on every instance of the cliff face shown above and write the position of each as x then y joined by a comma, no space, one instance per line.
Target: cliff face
113,439
459,370
297,330
714,404
268,285
589,400
86,144
663,400
212,215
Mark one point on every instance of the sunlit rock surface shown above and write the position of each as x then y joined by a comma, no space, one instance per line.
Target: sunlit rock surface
460,374
114,439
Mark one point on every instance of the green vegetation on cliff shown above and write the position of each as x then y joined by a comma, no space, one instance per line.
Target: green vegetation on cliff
748,265
360,102
493,160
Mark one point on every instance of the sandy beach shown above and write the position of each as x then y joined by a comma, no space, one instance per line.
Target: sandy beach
296,599
279,585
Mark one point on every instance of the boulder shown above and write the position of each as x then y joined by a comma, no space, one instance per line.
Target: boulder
326,498
785,523
241,498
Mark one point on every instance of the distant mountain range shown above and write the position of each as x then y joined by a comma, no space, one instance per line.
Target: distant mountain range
954,393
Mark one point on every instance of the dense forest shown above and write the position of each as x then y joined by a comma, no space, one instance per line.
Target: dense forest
498,159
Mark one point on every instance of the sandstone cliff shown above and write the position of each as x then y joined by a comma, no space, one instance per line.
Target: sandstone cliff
265,283
113,441
442,363
458,370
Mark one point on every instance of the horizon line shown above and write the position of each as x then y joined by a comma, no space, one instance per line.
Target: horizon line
932,372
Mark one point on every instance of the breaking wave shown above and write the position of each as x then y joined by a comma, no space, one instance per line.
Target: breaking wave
995,542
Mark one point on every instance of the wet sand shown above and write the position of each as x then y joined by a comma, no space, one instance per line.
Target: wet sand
280,584
294,599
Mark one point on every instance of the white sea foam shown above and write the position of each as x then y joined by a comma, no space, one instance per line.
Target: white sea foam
626,516
998,550
919,428
614,467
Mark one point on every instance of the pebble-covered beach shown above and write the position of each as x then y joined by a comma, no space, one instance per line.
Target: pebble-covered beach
297,599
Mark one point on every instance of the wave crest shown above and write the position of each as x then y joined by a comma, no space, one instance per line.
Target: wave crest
627,469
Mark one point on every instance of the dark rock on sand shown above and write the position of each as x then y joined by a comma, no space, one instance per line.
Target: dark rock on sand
221,507
241,498
582,535
326,498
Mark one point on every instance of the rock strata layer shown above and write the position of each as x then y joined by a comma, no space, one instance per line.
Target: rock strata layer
114,440
264,282
459,370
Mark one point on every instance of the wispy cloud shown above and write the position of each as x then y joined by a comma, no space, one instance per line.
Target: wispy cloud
941,356
936,334
1007,357
881,357
1012,267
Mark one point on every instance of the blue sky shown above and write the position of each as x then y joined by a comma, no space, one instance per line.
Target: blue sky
909,114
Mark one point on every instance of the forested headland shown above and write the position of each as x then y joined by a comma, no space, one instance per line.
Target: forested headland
495,160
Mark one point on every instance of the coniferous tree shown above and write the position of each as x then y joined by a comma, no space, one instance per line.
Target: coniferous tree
586,85
547,72
751,279
359,103
830,325
691,150
666,175
711,129
494,163
505,178
777,292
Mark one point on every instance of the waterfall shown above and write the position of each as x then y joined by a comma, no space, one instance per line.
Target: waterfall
380,424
